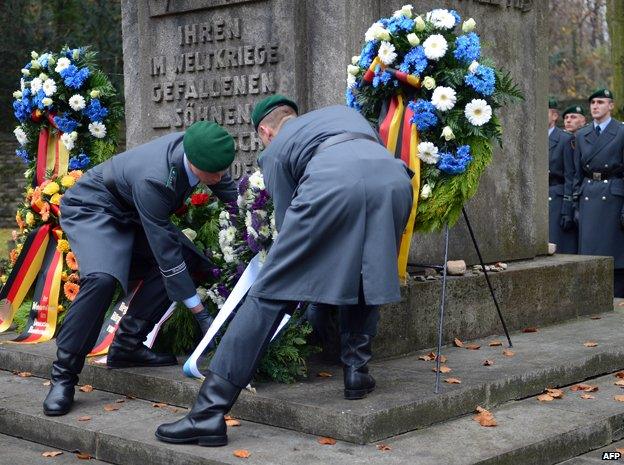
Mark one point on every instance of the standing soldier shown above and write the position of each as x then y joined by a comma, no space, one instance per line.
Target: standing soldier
599,186
574,118
561,227
117,220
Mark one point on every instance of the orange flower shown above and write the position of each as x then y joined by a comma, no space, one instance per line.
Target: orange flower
45,212
76,174
73,278
20,221
71,290
71,261
13,256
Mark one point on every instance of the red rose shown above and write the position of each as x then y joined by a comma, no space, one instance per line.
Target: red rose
199,199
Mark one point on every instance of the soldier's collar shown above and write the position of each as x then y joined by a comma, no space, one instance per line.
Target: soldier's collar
193,180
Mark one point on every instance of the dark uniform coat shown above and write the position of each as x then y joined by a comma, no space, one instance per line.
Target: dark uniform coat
124,233
340,213
560,185
599,185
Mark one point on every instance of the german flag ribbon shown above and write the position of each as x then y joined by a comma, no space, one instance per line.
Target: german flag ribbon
52,155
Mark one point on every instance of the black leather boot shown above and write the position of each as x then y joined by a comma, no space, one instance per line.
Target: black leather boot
63,378
204,424
128,350
355,354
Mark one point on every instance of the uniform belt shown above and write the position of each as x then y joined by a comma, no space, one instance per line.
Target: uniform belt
603,175
554,180
109,182
344,137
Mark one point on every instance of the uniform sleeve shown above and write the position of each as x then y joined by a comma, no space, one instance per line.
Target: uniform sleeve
280,185
225,189
569,173
577,178
153,202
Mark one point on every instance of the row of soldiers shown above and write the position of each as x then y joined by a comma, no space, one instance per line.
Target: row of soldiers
586,185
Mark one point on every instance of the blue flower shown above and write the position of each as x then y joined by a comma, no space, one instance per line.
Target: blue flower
65,124
455,164
369,52
74,77
79,162
23,154
38,99
95,111
22,109
44,59
482,80
456,15
414,61
467,48
382,78
425,116
351,99
400,24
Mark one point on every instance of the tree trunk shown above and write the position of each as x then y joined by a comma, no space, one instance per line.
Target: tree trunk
615,18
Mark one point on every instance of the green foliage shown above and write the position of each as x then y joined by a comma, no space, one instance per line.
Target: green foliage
180,334
21,315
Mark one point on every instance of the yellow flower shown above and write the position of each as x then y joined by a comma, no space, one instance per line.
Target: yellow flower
62,246
51,189
63,274
30,219
61,309
67,181
3,278
56,199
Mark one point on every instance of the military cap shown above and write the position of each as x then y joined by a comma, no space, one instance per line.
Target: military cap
574,109
601,93
266,106
208,146
553,104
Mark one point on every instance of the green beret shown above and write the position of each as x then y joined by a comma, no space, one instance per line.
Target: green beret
266,106
208,146
553,104
601,93
574,109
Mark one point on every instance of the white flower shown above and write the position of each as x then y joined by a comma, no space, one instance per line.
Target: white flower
351,80
352,69
77,102
224,219
273,229
262,256
25,72
413,39
97,130
419,24
35,85
428,153
407,10
49,87
376,32
76,54
447,133
435,46
47,101
444,98
34,55
73,135
34,64
17,94
190,234
230,234
355,59
429,83
62,64
20,135
28,173
387,53
67,141
441,19
478,112
473,67
264,231
43,76
95,93
425,192
256,180
469,25
22,84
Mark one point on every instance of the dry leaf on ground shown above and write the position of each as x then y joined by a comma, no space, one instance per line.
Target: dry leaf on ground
473,346
495,344
47,383
619,374
232,422
458,343
508,353
620,450
120,401
84,456
555,393
159,405
595,317
52,453
324,374
488,363
587,396
24,374
242,453
590,344
545,398
84,418
443,369
619,382
530,330
86,388
452,380
111,407
228,417
584,387
619,398
383,447
326,441
484,417
427,357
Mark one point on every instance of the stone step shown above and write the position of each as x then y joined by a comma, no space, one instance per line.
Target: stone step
529,432
16,451
595,456
404,399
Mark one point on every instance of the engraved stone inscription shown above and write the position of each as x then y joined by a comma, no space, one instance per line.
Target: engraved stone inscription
522,5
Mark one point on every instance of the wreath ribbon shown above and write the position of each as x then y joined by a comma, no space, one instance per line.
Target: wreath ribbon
52,155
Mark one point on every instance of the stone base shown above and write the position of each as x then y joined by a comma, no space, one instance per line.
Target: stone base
536,292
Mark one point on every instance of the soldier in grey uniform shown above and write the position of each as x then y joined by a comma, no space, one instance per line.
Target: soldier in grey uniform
341,205
599,187
116,218
561,226
574,118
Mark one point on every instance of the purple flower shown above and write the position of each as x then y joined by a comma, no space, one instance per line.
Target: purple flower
260,201
223,291
216,272
243,184
253,245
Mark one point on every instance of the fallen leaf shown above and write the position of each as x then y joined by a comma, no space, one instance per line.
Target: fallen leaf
52,453
159,405
587,396
488,363
383,447
83,456
24,374
619,398
111,407
508,353
484,417
46,383
619,374
620,450
530,330
480,409
619,382
228,417
452,380
443,359
232,422
443,369
242,453
84,418
326,441
86,388
595,317
495,343
555,393
584,387
120,401
129,397
324,374
591,344
458,343
427,357
473,347
545,398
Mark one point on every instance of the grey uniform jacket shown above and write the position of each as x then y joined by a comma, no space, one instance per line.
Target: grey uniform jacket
600,195
560,186
126,233
340,213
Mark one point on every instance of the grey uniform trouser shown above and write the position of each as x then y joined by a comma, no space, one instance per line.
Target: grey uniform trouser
251,329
